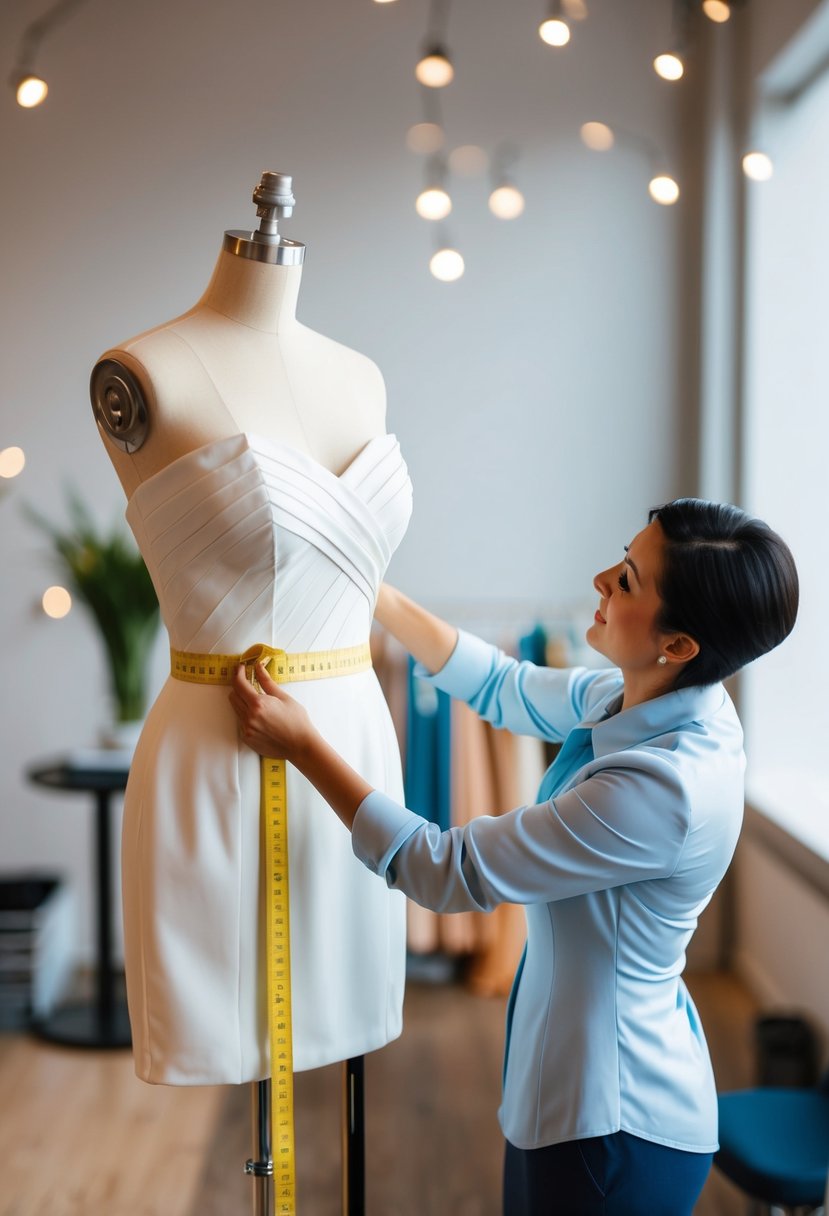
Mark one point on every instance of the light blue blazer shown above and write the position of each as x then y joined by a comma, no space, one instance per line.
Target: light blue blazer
635,825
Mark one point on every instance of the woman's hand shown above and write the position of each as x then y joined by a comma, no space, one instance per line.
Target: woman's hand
270,721
277,726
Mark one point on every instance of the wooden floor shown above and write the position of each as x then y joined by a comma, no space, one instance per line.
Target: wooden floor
80,1136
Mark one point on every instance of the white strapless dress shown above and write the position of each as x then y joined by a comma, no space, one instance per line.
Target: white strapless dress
248,540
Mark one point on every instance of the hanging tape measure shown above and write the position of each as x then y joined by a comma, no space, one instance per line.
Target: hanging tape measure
284,669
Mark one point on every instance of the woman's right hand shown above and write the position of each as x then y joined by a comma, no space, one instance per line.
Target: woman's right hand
428,638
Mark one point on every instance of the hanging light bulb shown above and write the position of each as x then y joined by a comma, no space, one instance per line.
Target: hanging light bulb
663,189
597,136
447,265
554,31
31,90
12,462
506,202
716,10
424,138
434,70
433,203
669,66
758,166
56,602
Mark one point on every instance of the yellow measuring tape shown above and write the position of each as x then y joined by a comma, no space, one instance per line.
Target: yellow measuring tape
284,669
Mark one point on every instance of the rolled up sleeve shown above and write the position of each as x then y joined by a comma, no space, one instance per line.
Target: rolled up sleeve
621,825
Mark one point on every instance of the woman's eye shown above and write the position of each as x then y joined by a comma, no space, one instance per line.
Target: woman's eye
623,581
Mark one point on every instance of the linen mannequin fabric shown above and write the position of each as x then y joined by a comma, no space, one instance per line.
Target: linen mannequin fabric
248,540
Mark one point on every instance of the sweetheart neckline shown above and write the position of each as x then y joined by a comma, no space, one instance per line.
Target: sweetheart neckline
252,438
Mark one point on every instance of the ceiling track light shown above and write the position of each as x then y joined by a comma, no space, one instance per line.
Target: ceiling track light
29,87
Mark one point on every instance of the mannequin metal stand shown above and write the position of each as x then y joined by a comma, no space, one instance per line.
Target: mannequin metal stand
354,1140
260,1166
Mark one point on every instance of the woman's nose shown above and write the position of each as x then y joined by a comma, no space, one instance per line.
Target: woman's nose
603,582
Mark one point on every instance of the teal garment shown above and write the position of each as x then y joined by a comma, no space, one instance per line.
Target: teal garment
532,646
636,823
428,770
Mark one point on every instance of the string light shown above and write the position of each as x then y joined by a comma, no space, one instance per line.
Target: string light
716,10
597,136
56,602
12,462
669,66
447,265
758,166
663,189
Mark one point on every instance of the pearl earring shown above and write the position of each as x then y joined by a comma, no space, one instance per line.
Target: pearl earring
662,660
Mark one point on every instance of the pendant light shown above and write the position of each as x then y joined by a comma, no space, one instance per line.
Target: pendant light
30,88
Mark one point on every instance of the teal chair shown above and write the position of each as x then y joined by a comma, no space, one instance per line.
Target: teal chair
774,1145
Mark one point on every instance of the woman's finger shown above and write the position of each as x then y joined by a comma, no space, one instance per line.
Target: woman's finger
242,685
267,684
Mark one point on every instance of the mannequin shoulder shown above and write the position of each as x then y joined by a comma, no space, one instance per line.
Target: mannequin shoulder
142,393
354,373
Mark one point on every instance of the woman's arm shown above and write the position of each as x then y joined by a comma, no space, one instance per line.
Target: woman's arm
424,635
621,825
277,726
528,700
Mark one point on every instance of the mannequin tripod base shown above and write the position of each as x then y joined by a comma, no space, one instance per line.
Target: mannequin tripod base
260,1166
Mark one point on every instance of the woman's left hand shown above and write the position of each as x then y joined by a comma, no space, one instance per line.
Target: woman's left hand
270,721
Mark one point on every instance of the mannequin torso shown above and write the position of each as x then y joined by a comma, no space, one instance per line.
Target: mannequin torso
239,361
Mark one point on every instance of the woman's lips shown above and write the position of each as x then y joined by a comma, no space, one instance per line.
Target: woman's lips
599,619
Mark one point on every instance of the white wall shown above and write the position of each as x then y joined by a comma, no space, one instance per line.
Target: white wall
535,400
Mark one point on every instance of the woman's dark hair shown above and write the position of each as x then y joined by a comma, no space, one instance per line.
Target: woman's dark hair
728,581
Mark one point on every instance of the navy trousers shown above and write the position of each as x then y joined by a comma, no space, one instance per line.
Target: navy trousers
617,1175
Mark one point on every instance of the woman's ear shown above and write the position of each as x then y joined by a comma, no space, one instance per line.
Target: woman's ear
681,649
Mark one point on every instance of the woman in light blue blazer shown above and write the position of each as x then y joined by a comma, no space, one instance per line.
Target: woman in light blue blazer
609,1103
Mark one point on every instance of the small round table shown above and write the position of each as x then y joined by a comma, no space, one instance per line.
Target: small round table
102,1022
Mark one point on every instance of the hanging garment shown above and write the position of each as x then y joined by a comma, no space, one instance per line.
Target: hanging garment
248,540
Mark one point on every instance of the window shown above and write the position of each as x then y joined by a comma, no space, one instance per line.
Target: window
786,461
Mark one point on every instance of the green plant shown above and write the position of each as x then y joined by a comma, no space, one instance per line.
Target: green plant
107,573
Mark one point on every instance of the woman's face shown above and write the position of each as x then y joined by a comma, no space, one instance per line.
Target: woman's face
623,628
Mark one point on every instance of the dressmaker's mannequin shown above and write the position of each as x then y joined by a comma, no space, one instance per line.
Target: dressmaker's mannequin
267,500
240,361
